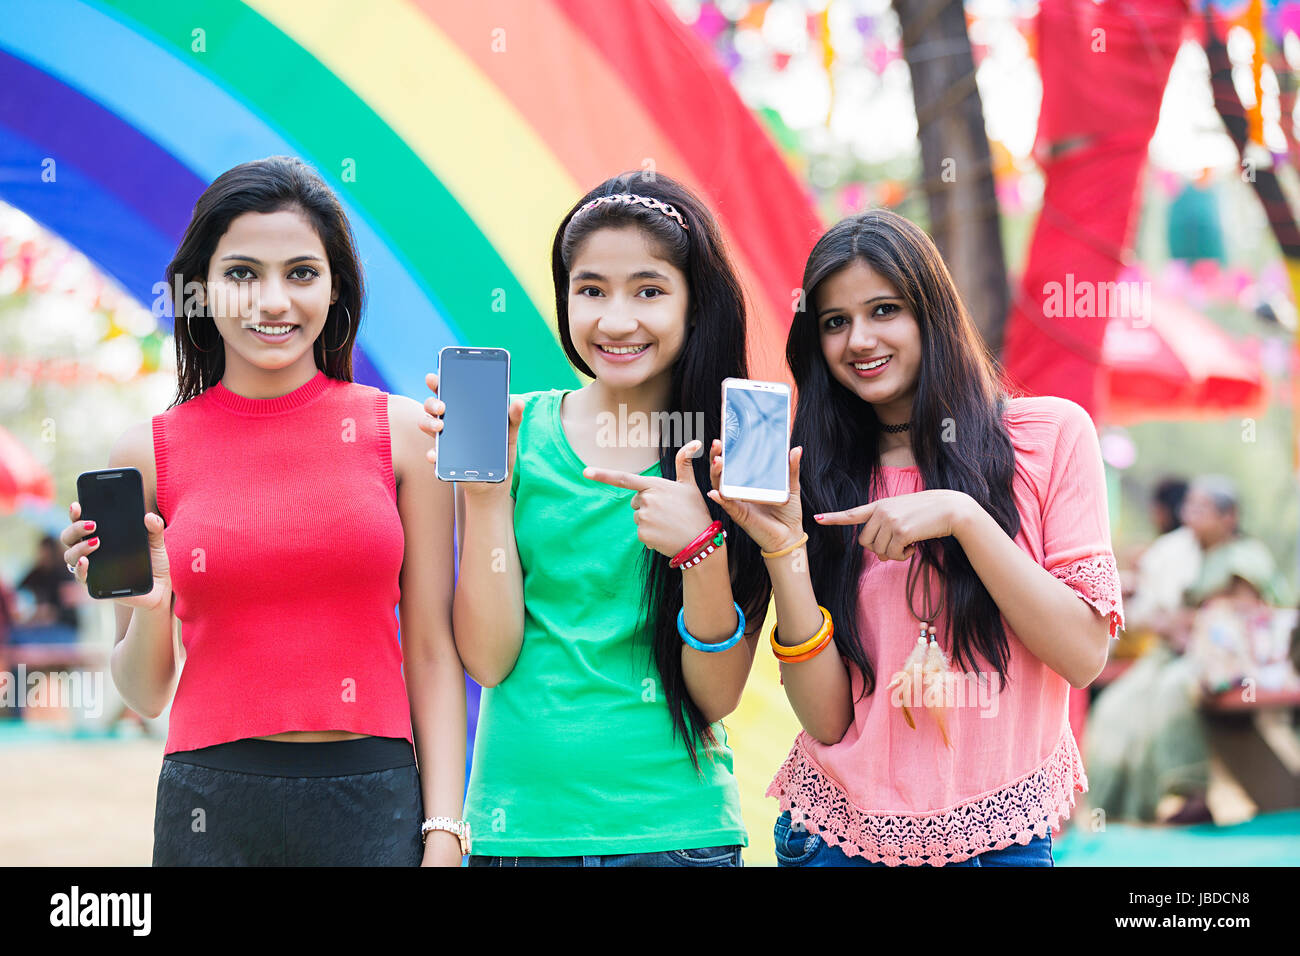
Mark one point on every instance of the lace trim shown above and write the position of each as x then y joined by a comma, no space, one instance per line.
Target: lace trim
1016,813
1096,580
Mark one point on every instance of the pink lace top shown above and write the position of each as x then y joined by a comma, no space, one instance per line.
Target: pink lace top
898,795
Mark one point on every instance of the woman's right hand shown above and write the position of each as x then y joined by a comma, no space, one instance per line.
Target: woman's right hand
80,543
772,526
432,424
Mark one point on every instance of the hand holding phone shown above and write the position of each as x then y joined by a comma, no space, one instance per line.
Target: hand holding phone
432,425
116,549
755,440
772,527
472,445
754,472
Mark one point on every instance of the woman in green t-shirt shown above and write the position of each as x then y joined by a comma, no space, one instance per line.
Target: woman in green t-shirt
606,669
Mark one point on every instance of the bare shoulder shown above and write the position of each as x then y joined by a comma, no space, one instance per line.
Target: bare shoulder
134,449
408,443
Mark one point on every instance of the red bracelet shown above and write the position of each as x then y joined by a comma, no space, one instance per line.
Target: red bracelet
713,544
695,546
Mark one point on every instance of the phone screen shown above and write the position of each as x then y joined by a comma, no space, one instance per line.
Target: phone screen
114,499
755,439
475,386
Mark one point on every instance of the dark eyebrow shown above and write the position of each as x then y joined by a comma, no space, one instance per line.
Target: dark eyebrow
878,298
258,262
597,277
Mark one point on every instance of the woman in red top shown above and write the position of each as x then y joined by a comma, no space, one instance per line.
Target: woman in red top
298,507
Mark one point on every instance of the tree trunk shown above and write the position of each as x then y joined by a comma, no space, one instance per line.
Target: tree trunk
955,158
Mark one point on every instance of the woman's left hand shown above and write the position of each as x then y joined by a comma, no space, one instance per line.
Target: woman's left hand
669,514
891,526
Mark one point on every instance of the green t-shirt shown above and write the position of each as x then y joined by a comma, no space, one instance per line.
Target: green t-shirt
574,754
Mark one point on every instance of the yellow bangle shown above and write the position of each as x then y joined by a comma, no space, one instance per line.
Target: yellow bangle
784,551
824,633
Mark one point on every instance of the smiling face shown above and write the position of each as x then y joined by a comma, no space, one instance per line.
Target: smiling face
270,289
870,339
627,308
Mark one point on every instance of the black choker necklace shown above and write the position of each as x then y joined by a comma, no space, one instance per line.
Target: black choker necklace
895,429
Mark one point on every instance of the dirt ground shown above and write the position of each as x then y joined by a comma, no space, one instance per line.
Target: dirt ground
78,802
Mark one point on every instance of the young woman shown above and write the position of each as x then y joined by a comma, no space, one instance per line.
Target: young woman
958,558
606,668
298,716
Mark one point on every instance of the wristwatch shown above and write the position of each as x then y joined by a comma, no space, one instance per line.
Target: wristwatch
458,827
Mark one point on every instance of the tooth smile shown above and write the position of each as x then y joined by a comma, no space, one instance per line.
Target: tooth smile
272,329
866,366
622,350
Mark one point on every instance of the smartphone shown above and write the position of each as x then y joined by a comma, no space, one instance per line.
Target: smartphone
756,440
475,386
113,498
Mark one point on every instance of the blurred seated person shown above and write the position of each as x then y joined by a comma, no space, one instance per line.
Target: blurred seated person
1168,566
54,592
1241,634
1147,740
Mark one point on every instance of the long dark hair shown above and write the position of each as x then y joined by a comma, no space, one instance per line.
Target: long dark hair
713,349
958,397
264,185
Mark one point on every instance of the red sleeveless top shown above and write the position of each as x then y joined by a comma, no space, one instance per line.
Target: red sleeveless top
286,546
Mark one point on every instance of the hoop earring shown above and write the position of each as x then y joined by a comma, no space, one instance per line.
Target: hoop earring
345,334
190,332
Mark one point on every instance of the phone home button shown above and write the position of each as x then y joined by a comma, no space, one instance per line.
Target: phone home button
470,474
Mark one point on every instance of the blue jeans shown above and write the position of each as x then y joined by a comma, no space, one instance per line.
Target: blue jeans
696,856
801,847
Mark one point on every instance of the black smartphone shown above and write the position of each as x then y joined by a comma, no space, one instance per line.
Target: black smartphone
113,498
474,384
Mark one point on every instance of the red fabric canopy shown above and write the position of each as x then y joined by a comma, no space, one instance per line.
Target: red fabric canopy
1178,364
1104,68
21,475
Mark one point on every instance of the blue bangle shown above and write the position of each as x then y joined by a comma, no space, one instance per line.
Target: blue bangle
712,648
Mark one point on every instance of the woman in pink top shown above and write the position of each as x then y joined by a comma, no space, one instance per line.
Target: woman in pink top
956,750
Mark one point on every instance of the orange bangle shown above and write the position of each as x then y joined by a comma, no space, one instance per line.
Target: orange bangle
803,539
828,639
813,643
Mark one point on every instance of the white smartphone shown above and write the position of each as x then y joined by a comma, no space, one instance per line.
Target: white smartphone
756,440
475,385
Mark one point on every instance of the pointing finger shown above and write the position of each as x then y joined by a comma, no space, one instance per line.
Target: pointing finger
619,479
851,516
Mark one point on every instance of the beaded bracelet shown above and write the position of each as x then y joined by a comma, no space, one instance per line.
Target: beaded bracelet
809,648
712,535
712,648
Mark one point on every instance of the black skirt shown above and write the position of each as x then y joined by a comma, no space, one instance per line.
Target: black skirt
273,803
